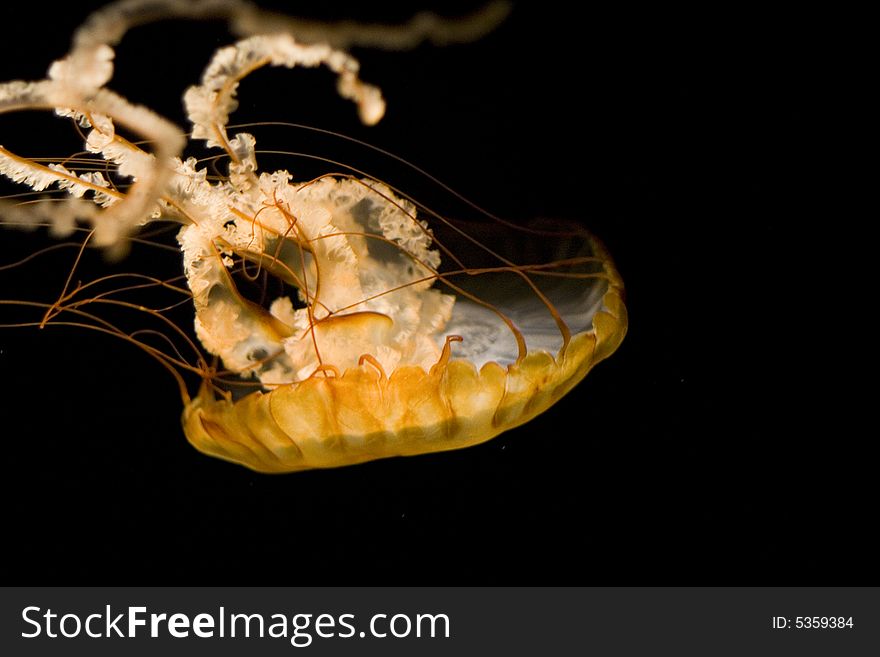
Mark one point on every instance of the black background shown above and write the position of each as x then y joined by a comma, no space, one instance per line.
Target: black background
696,454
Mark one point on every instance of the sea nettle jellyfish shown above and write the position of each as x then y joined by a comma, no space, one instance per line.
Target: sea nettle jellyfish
377,338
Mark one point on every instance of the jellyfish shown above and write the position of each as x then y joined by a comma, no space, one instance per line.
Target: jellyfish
379,337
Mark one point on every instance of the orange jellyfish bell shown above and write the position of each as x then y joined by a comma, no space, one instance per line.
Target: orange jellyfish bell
421,370
382,340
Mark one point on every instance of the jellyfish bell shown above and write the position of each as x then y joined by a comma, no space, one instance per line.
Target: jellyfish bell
397,330
390,355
